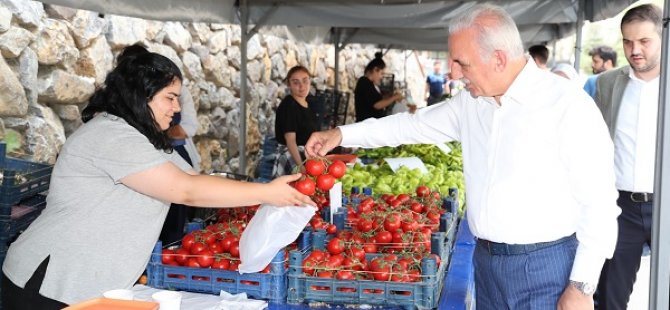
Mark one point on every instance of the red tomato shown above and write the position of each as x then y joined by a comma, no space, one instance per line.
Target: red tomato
422,191
344,275
383,237
235,249
226,242
416,207
198,247
332,229
337,169
187,241
325,182
181,256
221,263
234,265
314,167
167,256
392,222
192,262
335,246
205,258
306,186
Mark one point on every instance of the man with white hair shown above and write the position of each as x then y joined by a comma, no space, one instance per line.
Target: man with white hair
543,210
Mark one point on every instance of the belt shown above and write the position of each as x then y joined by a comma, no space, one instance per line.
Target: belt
637,197
495,248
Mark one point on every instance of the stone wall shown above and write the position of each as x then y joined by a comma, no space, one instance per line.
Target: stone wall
53,58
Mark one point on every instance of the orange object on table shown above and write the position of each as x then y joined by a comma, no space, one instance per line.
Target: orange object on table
114,304
346,158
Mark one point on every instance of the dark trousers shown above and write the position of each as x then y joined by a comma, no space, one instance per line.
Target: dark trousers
173,228
16,298
528,281
619,273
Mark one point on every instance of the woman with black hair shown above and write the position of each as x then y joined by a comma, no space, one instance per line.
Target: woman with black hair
111,189
368,98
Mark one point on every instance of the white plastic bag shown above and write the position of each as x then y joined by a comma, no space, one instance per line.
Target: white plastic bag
270,230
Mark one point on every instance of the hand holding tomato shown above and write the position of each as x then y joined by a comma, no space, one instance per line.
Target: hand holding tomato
280,193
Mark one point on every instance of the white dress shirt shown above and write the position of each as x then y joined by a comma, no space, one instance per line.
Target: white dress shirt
635,136
537,168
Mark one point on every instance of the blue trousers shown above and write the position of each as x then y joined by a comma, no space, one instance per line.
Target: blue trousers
534,280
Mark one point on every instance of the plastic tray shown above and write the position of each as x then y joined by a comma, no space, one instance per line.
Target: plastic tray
114,304
271,286
21,179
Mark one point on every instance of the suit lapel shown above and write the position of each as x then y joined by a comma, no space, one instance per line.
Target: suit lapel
620,84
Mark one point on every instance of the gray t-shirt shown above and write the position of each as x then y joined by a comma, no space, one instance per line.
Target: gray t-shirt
98,233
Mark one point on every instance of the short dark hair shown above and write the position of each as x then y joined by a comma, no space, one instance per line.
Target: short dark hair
645,13
539,52
295,70
605,52
377,63
128,89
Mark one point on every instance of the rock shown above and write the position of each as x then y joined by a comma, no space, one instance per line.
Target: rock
167,52
255,70
124,31
54,45
278,67
234,56
254,48
62,87
60,12
45,135
216,69
192,66
200,32
68,112
176,36
14,41
96,61
13,100
86,27
218,42
28,68
5,19
155,31
274,44
27,13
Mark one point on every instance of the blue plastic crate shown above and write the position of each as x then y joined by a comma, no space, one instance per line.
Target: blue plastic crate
21,179
409,295
422,295
271,286
29,210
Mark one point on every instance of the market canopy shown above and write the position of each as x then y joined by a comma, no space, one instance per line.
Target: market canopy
419,24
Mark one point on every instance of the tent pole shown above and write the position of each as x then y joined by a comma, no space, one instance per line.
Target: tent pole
578,40
338,48
243,86
659,277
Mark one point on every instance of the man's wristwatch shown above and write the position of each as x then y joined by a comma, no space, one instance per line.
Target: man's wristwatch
585,288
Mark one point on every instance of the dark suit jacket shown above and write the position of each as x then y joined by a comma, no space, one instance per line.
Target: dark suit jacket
610,86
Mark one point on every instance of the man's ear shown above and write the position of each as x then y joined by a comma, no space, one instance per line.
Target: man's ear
500,59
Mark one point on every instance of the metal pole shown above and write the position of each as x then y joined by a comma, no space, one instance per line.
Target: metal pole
659,279
244,20
578,40
338,48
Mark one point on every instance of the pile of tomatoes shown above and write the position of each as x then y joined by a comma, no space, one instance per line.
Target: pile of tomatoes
319,176
217,246
396,228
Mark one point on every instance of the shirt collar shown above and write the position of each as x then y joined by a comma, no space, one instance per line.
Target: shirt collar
631,75
518,90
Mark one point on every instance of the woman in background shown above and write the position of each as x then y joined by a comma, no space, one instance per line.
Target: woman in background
294,123
368,98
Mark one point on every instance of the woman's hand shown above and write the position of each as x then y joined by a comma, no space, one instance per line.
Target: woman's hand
280,193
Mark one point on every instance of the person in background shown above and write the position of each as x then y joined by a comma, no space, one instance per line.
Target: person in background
543,210
628,99
540,55
110,191
295,121
603,58
567,71
368,98
436,82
